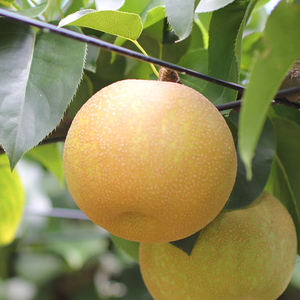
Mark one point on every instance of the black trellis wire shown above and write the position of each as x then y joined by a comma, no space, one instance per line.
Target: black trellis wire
139,56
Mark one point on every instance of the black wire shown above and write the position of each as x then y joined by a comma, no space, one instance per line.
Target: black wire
118,49
142,57
278,99
289,91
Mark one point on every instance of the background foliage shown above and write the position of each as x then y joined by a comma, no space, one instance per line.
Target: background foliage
247,42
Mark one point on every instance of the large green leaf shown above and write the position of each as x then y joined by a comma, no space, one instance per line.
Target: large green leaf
122,24
180,15
245,192
280,48
285,175
12,199
39,75
224,48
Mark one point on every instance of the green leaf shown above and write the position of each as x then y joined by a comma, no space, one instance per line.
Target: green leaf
6,3
195,60
73,6
257,21
285,175
50,157
211,5
34,11
245,192
129,247
187,244
286,112
134,6
123,24
12,199
272,63
180,15
154,15
224,41
151,5
39,75
249,47
91,58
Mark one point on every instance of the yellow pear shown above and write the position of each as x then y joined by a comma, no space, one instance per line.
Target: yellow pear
150,161
245,254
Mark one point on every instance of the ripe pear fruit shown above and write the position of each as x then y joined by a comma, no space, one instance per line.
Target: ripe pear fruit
243,254
150,161
12,200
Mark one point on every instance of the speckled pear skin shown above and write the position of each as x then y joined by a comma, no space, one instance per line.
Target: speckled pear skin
245,254
150,161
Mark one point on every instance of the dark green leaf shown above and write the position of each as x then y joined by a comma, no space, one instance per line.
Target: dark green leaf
180,15
289,113
223,50
245,192
91,58
195,60
84,92
285,175
280,48
187,244
39,76
123,24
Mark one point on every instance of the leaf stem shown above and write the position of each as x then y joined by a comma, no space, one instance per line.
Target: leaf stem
145,53
34,2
